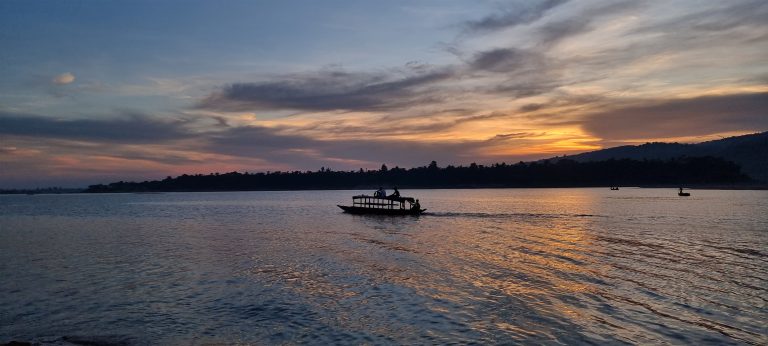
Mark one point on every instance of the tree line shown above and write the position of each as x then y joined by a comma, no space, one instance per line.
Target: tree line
554,173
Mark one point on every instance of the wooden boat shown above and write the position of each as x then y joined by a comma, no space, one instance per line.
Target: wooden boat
391,205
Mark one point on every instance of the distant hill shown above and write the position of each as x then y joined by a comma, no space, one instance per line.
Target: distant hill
748,151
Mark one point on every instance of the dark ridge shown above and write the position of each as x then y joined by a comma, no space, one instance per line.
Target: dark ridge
750,152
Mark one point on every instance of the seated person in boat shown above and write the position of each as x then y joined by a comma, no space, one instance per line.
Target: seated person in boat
381,193
416,205
396,193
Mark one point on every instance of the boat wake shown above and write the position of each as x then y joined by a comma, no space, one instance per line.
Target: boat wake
508,215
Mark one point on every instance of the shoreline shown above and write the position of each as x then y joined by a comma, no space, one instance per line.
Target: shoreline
754,187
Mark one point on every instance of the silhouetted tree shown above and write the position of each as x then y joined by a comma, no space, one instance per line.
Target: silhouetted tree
564,172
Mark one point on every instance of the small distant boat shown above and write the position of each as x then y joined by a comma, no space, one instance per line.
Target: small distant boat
614,188
391,205
683,194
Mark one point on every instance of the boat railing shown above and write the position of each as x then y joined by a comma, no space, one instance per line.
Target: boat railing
390,202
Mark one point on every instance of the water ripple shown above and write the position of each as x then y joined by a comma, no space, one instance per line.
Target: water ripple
546,266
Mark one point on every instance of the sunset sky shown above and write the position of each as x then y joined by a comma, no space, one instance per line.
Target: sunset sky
100,91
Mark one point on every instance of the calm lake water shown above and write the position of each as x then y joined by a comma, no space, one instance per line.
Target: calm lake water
551,266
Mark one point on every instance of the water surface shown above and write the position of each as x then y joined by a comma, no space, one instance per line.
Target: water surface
482,266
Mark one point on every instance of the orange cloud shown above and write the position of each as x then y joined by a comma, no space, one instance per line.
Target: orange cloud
64,78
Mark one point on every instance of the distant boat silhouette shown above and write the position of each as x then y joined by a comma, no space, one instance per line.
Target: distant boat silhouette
389,205
683,194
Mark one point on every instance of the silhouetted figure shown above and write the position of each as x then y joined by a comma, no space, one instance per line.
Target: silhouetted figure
416,205
681,193
380,193
396,193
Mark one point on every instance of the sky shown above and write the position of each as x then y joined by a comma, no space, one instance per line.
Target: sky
102,91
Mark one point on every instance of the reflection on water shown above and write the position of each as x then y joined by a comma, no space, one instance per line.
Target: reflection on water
487,266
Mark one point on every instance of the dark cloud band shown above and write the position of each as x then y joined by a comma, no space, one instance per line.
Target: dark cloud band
524,13
327,91
679,118
132,128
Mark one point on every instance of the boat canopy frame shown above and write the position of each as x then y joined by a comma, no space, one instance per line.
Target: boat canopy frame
389,202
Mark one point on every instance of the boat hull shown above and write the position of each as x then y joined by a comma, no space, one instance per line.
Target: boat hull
380,211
